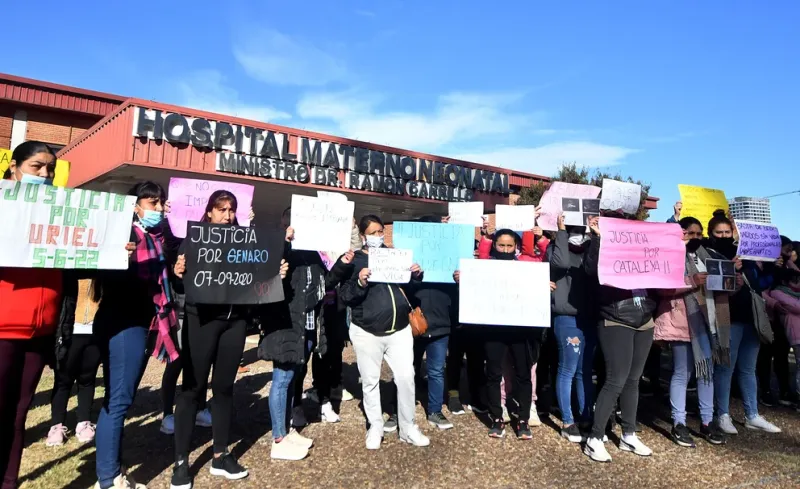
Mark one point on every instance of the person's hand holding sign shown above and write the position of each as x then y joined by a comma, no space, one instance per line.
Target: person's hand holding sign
130,247
699,279
537,211
347,258
363,277
552,286
594,225
167,207
289,233
251,215
537,231
561,222
457,276
416,271
445,219
485,226
737,262
283,272
180,266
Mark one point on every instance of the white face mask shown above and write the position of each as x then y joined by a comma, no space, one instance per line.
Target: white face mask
374,241
577,239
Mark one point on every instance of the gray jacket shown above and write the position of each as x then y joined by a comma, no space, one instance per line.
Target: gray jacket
572,284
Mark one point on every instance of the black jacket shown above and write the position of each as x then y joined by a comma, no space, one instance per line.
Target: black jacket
612,303
378,308
571,297
439,304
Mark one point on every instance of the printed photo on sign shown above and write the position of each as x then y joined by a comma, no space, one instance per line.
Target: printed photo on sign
188,199
232,264
551,202
436,248
721,275
470,213
390,265
622,196
758,241
55,227
321,224
577,212
515,217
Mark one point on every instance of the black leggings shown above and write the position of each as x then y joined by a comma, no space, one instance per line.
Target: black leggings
522,358
218,342
327,369
80,365
464,341
169,385
775,354
625,351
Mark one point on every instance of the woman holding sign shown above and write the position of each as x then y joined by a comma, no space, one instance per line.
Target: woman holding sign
380,329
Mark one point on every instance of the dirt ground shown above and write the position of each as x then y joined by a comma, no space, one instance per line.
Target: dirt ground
462,457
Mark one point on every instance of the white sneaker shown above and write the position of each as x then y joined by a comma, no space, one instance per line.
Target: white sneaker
203,419
168,425
328,414
596,450
534,419
346,396
286,450
632,443
415,437
506,417
725,425
295,437
761,424
374,438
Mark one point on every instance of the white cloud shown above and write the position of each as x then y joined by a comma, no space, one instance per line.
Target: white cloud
272,57
207,90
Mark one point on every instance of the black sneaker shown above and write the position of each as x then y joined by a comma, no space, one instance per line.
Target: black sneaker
180,476
438,420
767,399
479,409
226,466
572,433
787,399
390,426
498,429
712,434
682,437
454,406
523,430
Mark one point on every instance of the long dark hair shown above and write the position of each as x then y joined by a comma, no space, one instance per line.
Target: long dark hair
27,150
216,199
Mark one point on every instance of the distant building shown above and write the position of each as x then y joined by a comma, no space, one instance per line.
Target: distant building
750,209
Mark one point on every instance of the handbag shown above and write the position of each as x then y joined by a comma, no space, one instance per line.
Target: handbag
416,318
760,317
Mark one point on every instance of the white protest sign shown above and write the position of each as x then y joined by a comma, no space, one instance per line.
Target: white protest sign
470,213
56,227
491,292
621,195
321,224
515,217
390,265
331,195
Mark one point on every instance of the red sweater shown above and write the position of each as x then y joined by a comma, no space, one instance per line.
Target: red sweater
528,248
31,302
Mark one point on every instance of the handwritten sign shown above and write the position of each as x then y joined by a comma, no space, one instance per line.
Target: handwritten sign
437,248
515,217
641,255
758,242
551,201
62,168
331,195
188,199
321,224
232,264
490,293
721,275
55,227
577,212
621,196
470,213
390,265
701,203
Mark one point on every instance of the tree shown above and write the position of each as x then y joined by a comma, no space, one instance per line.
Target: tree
571,173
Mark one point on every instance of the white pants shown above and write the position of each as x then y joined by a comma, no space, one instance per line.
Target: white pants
398,350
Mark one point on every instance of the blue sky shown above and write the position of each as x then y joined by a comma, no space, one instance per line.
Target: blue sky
703,93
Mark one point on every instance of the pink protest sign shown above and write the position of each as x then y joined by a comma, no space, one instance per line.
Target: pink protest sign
188,198
641,255
551,201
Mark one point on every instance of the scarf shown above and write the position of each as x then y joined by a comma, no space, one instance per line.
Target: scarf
789,291
709,322
151,268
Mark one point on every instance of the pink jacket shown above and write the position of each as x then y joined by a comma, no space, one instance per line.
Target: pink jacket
781,301
528,253
671,319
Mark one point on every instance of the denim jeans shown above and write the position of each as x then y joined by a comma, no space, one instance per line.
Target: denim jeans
281,397
744,350
124,359
577,341
683,368
436,354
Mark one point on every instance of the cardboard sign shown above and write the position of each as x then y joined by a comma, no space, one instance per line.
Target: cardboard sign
491,292
390,265
55,227
551,201
701,203
621,196
232,264
188,199
470,213
437,248
577,212
321,224
641,255
721,275
62,168
758,242
515,217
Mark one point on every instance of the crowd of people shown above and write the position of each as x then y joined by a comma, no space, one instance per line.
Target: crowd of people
77,320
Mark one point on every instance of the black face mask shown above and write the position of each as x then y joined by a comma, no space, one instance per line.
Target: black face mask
723,245
693,244
499,255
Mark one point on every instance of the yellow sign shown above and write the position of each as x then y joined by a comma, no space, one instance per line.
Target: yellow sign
701,203
62,168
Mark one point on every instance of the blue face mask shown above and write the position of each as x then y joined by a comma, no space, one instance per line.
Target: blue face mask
35,179
151,219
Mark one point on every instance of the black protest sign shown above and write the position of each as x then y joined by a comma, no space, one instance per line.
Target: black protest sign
232,264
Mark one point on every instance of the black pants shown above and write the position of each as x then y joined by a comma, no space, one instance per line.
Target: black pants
625,351
80,366
775,354
327,369
169,385
216,342
464,341
523,356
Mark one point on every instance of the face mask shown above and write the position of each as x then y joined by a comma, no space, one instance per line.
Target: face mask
693,244
35,179
577,239
374,241
500,255
151,218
